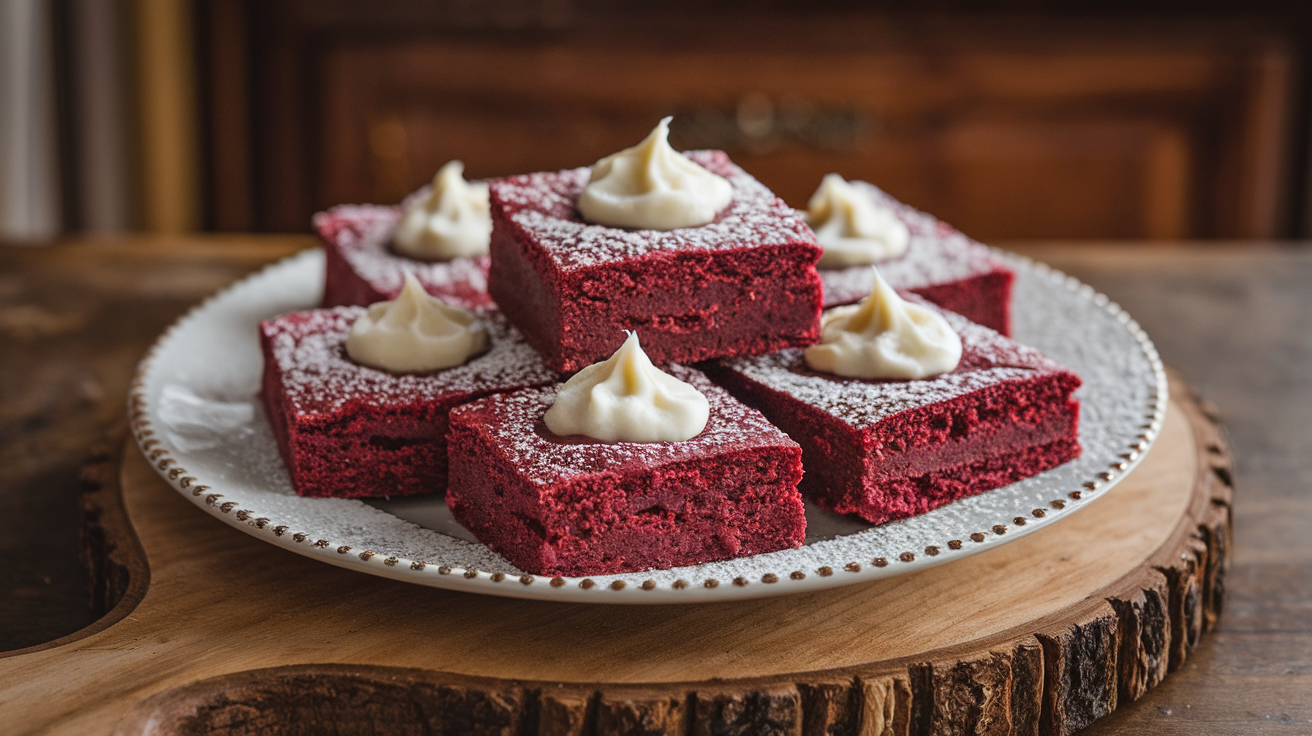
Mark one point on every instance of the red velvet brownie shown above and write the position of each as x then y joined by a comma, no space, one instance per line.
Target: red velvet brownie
941,264
350,431
361,269
887,450
576,506
744,284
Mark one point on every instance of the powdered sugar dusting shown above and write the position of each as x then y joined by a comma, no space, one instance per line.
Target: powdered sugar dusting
362,234
542,205
937,254
987,359
318,377
214,353
515,421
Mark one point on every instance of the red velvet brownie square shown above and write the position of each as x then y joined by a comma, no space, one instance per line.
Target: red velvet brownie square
941,264
744,284
361,269
887,450
351,431
576,506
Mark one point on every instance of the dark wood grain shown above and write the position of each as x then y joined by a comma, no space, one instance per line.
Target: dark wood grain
1105,126
769,711
974,695
75,319
643,713
397,671
1209,312
206,657
1079,670
1239,326
1145,631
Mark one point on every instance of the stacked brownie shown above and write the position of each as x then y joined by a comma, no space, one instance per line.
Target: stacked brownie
361,268
744,284
739,296
940,264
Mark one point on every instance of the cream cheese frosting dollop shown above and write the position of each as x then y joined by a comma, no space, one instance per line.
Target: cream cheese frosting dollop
415,333
452,221
852,229
885,337
653,186
627,399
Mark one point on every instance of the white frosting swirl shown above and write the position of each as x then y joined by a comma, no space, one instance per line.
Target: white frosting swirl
415,333
885,337
627,399
653,186
853,230
452,221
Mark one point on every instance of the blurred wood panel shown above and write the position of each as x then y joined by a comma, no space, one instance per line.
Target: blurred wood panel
226,64
1042,129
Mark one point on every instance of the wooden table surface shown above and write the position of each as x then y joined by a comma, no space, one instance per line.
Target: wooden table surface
1235,319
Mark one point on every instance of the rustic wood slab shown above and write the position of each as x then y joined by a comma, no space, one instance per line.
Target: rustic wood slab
212,631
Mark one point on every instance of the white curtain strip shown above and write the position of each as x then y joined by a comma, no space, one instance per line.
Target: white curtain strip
29,163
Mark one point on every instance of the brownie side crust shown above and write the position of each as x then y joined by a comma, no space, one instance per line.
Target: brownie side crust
983,299
573,506
743,285
361,269
889,450
529,284
350,431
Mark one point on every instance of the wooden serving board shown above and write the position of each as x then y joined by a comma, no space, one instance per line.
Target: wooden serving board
209,630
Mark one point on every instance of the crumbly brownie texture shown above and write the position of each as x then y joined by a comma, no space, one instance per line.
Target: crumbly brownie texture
573,506
744,284
351,431
887,450
362,269
941,264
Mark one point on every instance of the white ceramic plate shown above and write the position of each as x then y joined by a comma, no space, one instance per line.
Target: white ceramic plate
196,414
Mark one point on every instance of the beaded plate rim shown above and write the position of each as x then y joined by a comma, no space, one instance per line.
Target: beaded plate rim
632,588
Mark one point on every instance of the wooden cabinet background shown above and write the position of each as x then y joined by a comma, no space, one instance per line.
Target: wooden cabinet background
1008,129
